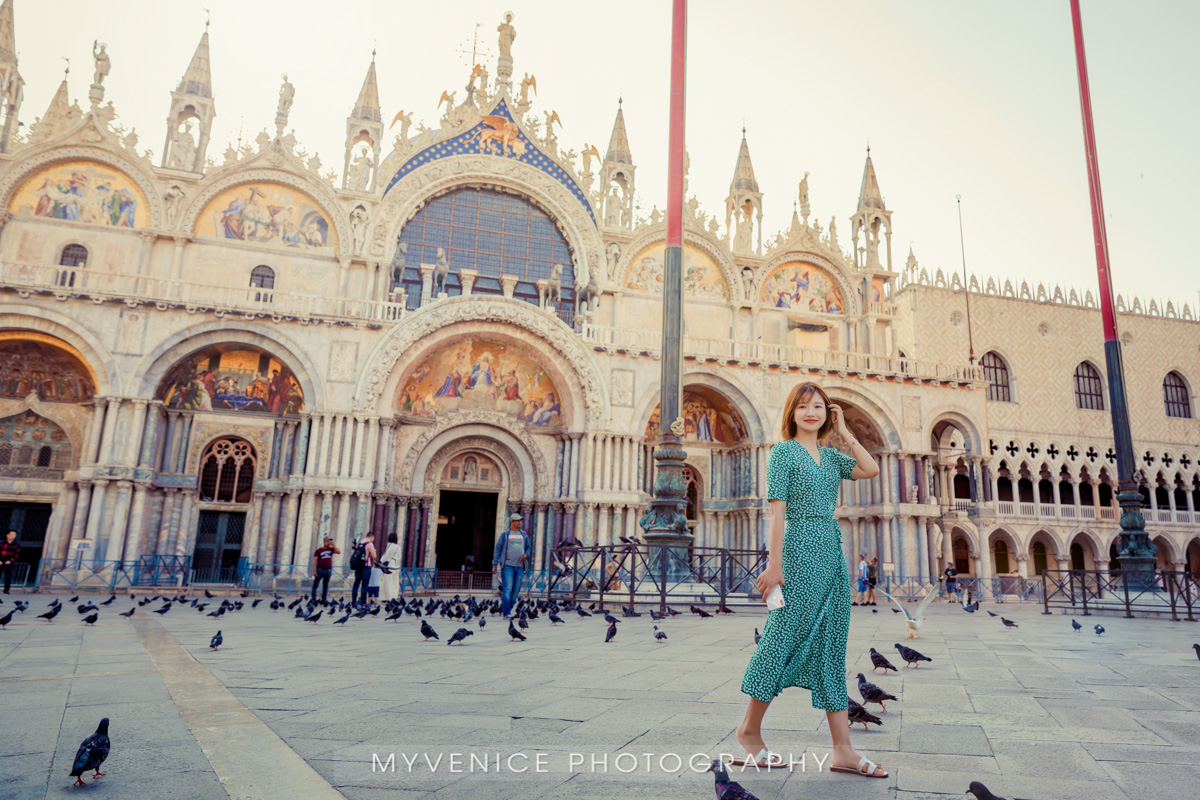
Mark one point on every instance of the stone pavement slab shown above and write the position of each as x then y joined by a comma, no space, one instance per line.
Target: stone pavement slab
1034,712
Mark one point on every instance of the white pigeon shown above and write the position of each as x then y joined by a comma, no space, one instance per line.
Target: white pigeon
913,621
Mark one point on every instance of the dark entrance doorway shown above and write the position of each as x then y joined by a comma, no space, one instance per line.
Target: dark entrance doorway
218,546
30,521
467,537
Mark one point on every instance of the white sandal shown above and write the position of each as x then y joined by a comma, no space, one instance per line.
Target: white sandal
866,769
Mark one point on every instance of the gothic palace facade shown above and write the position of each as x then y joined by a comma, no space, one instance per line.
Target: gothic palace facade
229,356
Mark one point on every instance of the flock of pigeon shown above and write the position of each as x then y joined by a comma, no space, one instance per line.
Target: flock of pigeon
95,748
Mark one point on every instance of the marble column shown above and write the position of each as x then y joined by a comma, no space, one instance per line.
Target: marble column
137,522
92,448
60,522
94,516
113,408
306,526
286,553
187,530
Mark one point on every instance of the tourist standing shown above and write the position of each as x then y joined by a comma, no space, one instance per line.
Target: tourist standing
804,642
510,559
389,584
951,583
10,552
863,571
323,567
362,559
872,577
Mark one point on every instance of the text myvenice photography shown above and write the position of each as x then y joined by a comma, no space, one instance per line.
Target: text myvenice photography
542,762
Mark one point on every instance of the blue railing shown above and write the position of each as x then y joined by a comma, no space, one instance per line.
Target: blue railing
83,574
997,589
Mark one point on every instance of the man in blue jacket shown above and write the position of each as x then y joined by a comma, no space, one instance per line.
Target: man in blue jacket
510,559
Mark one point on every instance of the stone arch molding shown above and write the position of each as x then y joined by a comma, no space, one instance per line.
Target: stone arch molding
149,374
53,154
849,292
473,308
412,191
50,322
484,424
487,445
237,177
754,414
697,239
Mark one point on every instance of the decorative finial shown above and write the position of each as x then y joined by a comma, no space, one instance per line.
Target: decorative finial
373,48
868,147
207,19
66,71
620,100
743,127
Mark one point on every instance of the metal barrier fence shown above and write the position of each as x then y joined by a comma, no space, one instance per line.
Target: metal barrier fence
82,574
657,574
1001,589
21,571
1084,591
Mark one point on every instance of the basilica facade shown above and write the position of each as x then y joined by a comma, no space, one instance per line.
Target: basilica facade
227,356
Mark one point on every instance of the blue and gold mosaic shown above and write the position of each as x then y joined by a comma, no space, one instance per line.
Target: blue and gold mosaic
490,138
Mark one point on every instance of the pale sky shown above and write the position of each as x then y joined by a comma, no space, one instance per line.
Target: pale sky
956,98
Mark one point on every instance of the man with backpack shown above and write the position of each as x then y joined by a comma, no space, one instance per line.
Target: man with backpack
362,559
510,559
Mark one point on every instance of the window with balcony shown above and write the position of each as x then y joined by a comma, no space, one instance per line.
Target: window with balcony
262,279
74,257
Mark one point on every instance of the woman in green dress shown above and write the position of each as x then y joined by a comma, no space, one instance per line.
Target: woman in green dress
804,642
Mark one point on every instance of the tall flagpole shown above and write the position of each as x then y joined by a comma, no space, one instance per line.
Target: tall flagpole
665,522
1135,550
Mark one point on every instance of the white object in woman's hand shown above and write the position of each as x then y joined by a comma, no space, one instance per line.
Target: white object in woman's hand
770,577
775,598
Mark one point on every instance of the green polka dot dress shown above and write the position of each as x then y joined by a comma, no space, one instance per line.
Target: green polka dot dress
804,643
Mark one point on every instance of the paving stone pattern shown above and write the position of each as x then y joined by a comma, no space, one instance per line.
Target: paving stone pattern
1037,712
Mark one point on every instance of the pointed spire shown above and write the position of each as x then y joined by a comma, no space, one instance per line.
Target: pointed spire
58,116
869,195
8,36
198,79
618,143
367,105
795,220
743,172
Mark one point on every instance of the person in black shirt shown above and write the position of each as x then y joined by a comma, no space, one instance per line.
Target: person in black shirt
951,583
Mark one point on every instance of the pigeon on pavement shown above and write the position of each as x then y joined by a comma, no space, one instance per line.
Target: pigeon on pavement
725,788
163,610
912,657
91,754
659,635
128,613
857,713
7,618
990,614
1008,623
314,617
90,619
1075,626
460,634
51,614
554,618
757,636
1099,629
610,619
981,792
513,633
1195,647
216,641
109,600
872,693
880,661
612,631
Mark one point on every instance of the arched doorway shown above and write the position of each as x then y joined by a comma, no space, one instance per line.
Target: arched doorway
1193,556
224,492
469,504
962,556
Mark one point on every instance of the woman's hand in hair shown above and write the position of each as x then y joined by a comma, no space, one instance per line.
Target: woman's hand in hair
839,421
